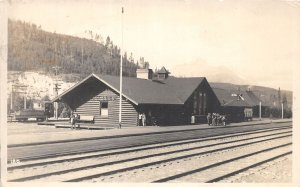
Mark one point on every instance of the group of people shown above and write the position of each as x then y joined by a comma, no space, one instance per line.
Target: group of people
216,119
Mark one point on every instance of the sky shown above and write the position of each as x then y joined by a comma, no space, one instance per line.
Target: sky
243,42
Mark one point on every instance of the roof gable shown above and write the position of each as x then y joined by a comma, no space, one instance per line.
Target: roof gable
163,70
140,91
183,87
255,99
237,103
226,98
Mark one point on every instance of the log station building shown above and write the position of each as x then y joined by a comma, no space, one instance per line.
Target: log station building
168,99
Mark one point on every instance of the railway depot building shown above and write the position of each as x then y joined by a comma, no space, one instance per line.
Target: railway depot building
166,99
239,105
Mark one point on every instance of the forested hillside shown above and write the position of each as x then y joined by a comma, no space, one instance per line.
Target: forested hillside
30,48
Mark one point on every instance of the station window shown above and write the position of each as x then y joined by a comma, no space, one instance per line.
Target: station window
204,103
195,103
161,76
103,108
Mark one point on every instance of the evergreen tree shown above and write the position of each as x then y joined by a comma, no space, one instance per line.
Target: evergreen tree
107,43
131,58
284,100
30,48
146,66
279,97
125,56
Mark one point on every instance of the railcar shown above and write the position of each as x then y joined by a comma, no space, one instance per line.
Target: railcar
38,114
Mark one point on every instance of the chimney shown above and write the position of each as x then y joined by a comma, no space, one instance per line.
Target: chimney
144,73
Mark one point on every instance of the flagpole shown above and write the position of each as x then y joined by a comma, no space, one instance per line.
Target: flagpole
121,74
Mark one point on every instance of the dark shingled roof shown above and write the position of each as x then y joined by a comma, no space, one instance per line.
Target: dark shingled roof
226,99
238,103
255,99
141,91
163,70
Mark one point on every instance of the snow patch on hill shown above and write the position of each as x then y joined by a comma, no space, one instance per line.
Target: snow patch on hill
38,84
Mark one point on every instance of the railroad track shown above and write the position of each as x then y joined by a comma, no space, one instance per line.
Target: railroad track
159,155
232,161
31,162
32,152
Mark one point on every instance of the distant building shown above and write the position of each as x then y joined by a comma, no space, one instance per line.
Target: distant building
239,105
255,102
166,99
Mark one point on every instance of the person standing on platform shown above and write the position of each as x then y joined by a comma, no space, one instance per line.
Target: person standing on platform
77,117
72,118
144,119
213,119
140,119
217,119
209,119
224,120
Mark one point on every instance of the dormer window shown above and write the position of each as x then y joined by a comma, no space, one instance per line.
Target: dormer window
163,73
161,76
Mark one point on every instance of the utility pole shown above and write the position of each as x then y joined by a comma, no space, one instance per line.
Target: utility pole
11,96
11,99
18,88
121,73
12,93
56,88
259,110
81,52
25,101
281,110
56,85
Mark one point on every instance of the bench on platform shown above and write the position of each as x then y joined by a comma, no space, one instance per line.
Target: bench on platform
85,119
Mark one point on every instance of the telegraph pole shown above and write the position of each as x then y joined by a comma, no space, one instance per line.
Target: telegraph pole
81,51
25,100
259,110
56,88
121,73
281,110
11,96
12,93
16,89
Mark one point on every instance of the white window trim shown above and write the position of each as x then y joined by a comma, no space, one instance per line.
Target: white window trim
103,111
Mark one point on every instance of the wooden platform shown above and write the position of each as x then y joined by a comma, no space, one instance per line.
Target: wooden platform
83,126
90,126
47,123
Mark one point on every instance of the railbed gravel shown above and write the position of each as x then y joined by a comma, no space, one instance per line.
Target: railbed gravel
276,171
75,164
152,173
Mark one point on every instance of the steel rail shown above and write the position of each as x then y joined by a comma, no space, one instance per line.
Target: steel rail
147,148
153,155
248,167
218,164
135,144
167,160
139,134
